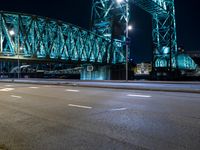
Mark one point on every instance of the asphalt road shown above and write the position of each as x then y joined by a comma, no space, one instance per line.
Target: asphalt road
50,117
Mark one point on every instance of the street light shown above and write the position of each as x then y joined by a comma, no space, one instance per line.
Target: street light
12,33
128,27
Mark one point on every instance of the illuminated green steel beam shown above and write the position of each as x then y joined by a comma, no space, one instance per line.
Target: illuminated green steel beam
105,15
163,27
34,37
163,18
163,23
104,12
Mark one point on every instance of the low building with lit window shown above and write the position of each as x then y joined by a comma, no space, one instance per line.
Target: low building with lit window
143,69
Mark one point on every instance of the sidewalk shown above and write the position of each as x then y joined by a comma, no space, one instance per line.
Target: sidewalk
171,86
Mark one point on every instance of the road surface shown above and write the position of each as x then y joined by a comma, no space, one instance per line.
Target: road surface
169,86
50,117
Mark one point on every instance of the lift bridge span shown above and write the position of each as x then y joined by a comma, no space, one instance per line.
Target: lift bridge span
30,37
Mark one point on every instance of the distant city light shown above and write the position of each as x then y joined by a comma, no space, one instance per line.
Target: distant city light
11,32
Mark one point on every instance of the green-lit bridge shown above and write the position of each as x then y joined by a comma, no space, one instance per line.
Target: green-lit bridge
164,36
30,37
33,37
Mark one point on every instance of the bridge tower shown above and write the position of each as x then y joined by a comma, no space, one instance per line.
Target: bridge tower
163,25
110,18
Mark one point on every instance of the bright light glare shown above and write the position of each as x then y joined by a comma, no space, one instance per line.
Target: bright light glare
11,32
120,1
130,27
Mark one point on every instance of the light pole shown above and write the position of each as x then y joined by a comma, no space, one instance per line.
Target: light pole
12,33
128,27
127,48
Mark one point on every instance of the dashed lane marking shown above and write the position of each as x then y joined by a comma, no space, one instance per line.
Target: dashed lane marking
80,106
47,86
70,90
15,96
8,85
33,87
119,109
136,95
6,89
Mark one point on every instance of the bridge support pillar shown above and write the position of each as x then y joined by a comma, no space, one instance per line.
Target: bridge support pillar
97,72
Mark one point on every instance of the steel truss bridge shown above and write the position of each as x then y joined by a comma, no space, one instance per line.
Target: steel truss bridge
107,12
31,37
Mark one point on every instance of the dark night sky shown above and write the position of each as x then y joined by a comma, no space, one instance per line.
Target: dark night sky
78,12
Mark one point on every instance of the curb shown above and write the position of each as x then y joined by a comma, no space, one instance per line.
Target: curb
142,89
103,86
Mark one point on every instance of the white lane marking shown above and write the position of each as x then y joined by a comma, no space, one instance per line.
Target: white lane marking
33,87
135,95
6,89
8,85
79,106
15,96
52,86
119,109
47,86
70,90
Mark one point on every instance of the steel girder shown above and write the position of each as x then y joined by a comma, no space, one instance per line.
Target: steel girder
24,36
164,28
163,21
105,12
181,62
164,35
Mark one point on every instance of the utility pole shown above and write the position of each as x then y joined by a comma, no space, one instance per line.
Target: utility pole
170,49
18,48
127,47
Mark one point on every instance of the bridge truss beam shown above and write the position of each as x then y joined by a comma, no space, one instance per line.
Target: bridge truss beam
26,36
163,21
163,29
107,12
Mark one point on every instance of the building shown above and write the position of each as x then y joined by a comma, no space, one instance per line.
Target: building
143,69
